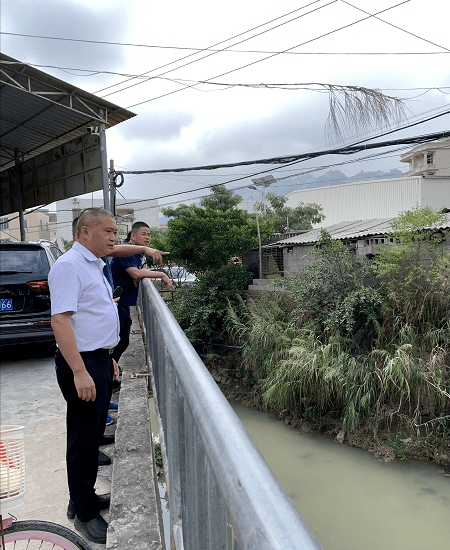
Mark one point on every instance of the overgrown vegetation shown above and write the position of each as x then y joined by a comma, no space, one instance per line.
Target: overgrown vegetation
204,240
365,344
159,464
201,310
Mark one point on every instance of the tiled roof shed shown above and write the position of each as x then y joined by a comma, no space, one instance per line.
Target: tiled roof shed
292,254
345,231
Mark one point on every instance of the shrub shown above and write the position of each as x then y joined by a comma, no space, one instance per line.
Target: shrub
202,308
319,378
266,330
413,269
331,290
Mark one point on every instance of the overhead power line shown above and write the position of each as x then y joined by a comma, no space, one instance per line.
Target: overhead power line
301,158
197,50
208,47
249,172
347,150
396,27
236,43
372,156
274,55
290,86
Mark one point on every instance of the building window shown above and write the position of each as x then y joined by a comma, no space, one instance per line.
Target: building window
4,223
430,158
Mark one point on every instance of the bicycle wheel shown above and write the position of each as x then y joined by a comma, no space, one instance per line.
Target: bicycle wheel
42,535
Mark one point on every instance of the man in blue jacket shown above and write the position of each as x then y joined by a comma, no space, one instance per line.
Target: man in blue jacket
127,272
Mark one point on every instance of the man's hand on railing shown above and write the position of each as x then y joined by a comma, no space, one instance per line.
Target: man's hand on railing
138,274
167,281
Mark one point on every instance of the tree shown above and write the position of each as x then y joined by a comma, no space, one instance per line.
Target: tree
207,239
67,244
180,210
285,217
159,238
221,200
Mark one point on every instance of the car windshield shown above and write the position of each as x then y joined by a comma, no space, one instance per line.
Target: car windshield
23,260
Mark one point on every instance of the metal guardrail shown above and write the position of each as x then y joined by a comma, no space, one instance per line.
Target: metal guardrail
216,477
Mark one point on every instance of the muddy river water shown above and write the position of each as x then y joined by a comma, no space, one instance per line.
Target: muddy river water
349,499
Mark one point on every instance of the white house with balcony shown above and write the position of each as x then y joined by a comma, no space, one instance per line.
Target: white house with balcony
429,159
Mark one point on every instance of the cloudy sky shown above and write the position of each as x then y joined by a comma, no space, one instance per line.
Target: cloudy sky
190,111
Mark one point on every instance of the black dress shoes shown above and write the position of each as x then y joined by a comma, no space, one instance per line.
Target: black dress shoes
103,460
94,530
103,504
107,439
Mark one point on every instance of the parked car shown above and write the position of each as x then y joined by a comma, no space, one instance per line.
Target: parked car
24,294
180,276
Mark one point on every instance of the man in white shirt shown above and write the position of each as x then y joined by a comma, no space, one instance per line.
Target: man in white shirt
86,327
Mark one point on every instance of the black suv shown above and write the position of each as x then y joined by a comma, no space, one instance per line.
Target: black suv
24,295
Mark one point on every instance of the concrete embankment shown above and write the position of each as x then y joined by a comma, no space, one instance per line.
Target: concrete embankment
135,513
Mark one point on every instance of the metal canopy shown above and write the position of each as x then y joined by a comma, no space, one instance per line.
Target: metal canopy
39,112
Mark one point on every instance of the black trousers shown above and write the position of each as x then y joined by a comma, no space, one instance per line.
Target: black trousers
124,334
86,421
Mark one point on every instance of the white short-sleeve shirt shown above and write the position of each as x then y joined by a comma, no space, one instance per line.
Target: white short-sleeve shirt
77,284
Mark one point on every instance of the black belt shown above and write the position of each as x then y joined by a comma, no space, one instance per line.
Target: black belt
101,351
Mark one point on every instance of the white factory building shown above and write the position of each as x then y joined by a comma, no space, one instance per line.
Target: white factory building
427,183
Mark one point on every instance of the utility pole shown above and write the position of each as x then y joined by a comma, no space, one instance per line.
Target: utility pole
112,188
102,136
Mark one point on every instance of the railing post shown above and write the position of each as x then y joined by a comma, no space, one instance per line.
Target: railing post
217,514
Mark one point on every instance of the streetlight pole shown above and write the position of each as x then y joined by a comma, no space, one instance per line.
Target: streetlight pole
259,242
263,182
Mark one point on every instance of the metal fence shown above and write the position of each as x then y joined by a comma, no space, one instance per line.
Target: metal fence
222,493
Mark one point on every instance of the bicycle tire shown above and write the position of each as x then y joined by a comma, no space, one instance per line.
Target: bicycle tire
42,535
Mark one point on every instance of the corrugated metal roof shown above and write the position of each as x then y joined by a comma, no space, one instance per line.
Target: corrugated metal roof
39,112
346,230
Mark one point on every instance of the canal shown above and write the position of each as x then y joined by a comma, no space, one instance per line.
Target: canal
349,499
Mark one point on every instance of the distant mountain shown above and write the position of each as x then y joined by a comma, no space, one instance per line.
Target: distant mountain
308,181
378,175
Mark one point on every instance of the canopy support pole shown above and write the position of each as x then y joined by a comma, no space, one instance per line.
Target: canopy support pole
20,193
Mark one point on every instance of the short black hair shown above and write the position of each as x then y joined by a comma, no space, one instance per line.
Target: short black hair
138,225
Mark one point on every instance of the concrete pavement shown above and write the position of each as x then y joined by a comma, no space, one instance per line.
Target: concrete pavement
30,397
